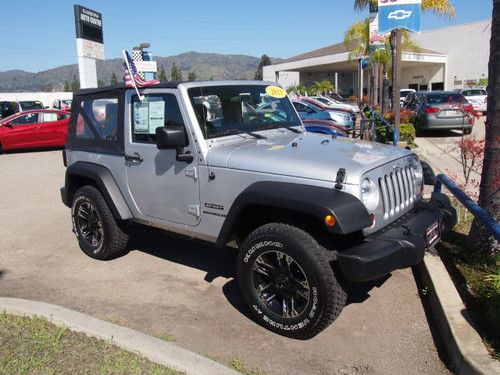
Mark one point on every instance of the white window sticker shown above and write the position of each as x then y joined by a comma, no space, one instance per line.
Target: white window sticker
141,115
156,114
49,117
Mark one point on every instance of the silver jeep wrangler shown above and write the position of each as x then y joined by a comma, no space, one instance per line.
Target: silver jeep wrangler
231,163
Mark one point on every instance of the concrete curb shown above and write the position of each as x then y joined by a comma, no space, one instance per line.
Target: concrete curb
154,349
463,344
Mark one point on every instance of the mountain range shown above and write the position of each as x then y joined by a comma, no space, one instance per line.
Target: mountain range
204,65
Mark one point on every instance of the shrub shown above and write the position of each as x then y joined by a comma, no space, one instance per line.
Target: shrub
407,133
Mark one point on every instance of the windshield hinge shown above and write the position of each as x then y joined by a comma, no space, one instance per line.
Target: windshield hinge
193,173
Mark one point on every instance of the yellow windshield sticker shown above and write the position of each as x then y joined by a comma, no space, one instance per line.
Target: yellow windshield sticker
275,92
276,148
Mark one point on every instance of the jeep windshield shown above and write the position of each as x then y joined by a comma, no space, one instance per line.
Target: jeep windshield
242,109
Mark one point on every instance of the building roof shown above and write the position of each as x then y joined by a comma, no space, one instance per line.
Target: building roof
335,49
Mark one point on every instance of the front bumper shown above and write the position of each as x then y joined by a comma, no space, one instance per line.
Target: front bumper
402,244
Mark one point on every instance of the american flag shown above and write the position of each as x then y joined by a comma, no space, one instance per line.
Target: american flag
132,77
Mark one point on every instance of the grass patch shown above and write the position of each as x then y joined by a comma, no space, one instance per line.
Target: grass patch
32,345
166,336
477,277
236,364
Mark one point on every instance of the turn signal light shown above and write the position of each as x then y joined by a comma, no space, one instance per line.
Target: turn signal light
330,220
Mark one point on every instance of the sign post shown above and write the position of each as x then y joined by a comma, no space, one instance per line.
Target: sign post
89,44
394,16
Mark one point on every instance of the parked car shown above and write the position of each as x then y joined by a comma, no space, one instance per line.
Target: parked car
403,94
8,109
335,104
30,105
34,129
439,110
303,211
309,111
62,104
478,97
328,127
326,107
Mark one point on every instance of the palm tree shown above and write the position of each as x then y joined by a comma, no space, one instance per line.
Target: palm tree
357,41
489,191
321,87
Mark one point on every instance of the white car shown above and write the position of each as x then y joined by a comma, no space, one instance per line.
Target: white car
335,104
477,97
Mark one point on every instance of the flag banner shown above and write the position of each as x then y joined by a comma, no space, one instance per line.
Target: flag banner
399,14
131,76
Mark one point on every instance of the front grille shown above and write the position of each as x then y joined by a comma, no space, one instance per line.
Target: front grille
398,190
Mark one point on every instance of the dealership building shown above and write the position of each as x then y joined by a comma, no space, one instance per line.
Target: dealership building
449,58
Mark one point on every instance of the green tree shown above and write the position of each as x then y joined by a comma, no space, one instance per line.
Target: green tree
192,76
113,80
264,61
489,191
298,89
101,83
176,73
321,87
75,84
67,87
162,76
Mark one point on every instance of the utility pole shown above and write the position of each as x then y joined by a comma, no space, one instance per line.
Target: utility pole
396,43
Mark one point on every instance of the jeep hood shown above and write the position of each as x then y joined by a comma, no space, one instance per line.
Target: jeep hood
309,155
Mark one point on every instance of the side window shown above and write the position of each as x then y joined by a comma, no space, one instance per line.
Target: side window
154,111
49,117
30,118
98,118
300,107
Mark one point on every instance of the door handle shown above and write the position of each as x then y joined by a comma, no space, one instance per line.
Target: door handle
135,157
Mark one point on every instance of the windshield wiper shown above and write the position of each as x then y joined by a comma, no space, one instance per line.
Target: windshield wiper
297,131
238,131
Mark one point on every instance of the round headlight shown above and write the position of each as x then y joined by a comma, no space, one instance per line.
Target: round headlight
419,173
369,194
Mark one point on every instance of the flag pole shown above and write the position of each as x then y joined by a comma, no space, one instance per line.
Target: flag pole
141,97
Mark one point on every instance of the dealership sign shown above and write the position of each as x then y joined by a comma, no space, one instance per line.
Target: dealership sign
399,14
90,41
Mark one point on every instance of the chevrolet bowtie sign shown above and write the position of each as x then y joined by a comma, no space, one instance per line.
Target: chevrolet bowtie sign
399,14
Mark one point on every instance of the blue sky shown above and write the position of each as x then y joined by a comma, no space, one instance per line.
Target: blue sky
40,34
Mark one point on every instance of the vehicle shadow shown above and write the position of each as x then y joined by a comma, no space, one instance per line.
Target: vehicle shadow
218,262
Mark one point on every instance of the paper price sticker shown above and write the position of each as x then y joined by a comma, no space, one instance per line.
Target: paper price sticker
275,92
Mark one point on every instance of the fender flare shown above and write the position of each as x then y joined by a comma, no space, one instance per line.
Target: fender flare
104,181
349,211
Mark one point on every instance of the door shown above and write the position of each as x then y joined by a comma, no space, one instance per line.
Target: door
21,131
161,187
437,86
53,129
423,87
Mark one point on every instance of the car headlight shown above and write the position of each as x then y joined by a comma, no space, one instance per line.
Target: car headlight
369,194
419,174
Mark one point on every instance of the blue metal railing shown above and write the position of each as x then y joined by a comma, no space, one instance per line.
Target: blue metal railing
387,124
491,224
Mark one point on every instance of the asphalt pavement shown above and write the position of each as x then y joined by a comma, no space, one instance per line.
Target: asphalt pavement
187,289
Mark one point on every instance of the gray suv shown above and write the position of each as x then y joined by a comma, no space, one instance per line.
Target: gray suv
231,163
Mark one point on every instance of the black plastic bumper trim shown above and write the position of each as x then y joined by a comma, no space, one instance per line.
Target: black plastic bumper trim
401,245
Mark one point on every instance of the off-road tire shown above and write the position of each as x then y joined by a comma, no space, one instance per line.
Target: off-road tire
327,298
113,240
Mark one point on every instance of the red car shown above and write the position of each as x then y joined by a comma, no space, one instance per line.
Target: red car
34,129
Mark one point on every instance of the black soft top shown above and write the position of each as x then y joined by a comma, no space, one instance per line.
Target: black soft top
119,87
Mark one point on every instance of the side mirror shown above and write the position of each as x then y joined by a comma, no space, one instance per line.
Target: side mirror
174,137
171,137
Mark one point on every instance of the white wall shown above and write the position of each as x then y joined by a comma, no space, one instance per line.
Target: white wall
425,74
47,98
467,47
